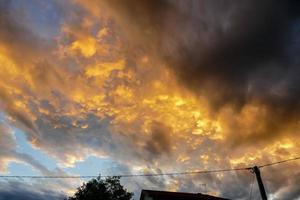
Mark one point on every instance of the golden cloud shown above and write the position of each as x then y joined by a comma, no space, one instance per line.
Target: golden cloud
95,90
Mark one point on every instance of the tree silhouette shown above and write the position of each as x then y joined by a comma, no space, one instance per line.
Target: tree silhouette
99,189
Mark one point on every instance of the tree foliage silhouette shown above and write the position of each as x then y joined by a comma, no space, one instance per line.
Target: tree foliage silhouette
99,189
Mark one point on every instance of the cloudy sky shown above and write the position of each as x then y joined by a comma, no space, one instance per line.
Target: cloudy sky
149,86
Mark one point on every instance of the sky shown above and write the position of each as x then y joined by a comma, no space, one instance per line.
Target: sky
149,86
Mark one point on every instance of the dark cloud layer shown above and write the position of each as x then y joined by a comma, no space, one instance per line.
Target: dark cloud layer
222,45
15,190
234,53
237,54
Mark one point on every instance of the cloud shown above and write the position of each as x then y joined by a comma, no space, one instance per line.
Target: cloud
233,58
15,190
156,86
160,141
292,191
7,144
224,50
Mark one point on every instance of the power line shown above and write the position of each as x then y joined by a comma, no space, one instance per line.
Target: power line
151,174
279,162
48,177
129,175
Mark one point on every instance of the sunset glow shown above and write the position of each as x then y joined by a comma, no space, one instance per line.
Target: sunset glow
108,87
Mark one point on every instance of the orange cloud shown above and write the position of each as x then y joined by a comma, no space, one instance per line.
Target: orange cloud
109,96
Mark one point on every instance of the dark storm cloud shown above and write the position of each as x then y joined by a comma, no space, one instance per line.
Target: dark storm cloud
217,44
233,52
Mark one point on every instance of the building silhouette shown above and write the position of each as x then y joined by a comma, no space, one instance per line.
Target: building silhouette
164,195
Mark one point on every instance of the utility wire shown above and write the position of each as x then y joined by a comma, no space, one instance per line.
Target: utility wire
151,174
130,175
279,162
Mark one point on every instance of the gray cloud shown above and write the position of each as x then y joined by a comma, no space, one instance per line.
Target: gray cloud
15,190
225,49
233,53
160,141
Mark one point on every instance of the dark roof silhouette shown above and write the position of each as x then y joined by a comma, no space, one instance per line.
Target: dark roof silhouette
163,195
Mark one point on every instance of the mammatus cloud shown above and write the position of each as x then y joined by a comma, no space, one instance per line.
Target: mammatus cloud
225,52
158,86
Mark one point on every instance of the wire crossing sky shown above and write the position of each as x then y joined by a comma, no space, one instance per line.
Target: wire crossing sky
153,174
